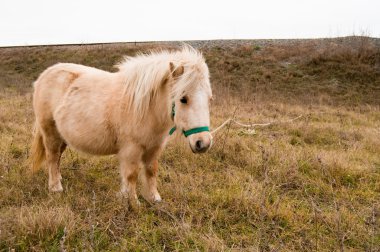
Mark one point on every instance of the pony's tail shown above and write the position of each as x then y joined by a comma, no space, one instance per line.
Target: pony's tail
38,150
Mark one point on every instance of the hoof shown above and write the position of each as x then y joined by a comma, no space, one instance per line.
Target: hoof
152,198
57,187
157,199
121,195
133,202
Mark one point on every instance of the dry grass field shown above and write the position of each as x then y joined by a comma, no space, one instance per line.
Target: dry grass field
312,184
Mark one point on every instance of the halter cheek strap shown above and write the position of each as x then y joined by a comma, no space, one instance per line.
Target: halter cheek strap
186,132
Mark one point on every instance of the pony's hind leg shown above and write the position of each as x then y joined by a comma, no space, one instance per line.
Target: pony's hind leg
54,147
149,182
62,149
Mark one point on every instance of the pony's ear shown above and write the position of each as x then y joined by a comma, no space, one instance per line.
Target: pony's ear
176,71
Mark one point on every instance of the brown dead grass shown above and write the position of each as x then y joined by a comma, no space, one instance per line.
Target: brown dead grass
312,184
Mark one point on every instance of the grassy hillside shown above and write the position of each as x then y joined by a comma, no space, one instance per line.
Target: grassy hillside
302,185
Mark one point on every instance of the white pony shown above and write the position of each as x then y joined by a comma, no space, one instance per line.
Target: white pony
128,113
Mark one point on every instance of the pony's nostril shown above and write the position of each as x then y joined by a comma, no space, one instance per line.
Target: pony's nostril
199,145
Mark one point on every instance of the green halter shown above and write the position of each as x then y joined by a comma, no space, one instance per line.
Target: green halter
186,132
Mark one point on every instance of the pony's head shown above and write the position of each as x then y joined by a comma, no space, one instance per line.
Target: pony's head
191,95
179,78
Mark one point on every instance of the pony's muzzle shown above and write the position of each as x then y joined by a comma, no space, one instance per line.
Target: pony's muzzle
200,142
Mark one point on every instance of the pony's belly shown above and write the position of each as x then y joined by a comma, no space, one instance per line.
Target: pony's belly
85,131
96,144
90,145
100,150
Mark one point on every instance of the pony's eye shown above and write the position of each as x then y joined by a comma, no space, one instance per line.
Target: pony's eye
184,100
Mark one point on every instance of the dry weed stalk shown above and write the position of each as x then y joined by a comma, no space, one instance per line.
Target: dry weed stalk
232,120
62,241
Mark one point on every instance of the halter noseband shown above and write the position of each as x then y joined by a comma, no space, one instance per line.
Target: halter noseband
186,132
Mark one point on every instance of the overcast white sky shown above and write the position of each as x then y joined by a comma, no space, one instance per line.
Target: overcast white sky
89,21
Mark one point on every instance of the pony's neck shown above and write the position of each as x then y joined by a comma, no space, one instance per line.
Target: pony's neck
147,98
162,110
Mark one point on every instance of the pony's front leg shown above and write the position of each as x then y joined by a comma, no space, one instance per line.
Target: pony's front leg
149,180
130,163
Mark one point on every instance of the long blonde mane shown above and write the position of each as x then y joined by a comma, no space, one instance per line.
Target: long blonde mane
145,73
